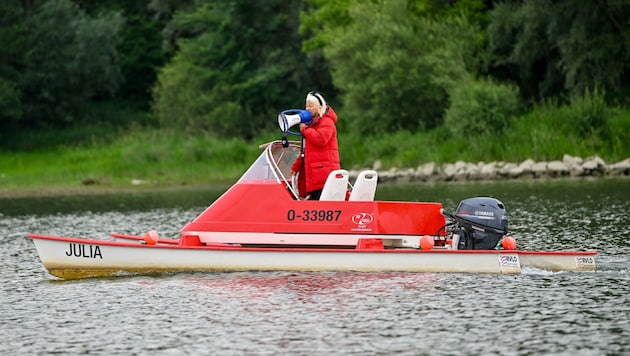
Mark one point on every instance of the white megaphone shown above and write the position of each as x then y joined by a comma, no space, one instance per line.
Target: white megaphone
292,117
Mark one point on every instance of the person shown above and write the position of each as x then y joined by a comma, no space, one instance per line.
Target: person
320,151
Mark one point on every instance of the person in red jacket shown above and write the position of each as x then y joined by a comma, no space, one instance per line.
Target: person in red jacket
320,152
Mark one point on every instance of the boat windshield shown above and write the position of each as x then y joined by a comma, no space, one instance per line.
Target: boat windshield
274,164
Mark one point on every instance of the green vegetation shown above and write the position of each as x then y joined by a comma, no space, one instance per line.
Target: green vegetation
165,157
150,158
181,92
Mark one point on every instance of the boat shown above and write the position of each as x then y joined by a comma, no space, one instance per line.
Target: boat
262,223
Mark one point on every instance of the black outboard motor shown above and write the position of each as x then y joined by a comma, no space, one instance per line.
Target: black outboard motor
481,223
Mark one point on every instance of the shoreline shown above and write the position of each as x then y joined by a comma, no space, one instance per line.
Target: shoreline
568,167
459,172
91,190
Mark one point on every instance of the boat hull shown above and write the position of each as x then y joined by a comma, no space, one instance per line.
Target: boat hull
72,258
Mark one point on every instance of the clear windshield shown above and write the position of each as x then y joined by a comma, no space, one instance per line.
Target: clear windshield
273,164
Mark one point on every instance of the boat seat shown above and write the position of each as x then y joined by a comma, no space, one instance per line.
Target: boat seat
336,186
365,186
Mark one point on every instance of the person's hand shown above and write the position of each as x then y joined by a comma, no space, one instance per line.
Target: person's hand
302,125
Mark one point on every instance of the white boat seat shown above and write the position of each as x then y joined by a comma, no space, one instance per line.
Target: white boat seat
365,186
336,186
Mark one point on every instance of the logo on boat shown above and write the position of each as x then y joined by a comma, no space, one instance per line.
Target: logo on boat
362,220
79,250
585,261
509,261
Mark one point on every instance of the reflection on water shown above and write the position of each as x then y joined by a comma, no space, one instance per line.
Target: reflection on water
537,312
128,201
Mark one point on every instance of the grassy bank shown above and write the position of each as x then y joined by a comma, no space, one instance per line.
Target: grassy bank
139,159
149,158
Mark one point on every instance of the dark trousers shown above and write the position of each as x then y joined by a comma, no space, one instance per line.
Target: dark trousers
314,195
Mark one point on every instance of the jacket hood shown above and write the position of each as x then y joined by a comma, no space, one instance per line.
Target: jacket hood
331,113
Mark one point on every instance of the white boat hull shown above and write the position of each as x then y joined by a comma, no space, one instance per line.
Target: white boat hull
71,258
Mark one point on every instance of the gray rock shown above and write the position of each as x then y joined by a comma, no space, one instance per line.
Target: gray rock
540,169
619,168
488,171
459,171
571,161
557,169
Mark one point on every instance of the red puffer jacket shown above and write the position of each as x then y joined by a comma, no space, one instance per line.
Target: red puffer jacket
321,152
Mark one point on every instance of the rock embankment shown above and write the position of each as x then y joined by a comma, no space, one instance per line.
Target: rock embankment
529,169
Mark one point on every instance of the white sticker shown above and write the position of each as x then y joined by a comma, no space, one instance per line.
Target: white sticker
585,261
509,261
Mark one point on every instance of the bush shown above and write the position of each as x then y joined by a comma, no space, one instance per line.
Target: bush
481,107
588,114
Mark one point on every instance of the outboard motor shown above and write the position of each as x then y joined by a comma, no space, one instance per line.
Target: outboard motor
481,223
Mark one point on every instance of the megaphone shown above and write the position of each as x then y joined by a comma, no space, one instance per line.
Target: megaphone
292,117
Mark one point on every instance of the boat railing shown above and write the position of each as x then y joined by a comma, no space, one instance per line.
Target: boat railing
281,160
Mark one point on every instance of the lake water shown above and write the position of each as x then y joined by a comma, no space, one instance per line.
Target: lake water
289,313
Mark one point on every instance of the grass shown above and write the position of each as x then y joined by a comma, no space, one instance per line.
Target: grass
116,159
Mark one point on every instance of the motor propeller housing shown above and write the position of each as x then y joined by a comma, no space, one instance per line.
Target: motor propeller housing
481,223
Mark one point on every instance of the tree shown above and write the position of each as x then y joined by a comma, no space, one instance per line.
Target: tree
395,69
140,51
237,64
481,107
12,34
71,58
563,48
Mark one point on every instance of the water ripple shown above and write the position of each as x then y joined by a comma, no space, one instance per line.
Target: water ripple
270,313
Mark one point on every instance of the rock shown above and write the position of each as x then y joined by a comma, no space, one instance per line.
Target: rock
594,166
449,170
386,176
557,169
404,175
505,169
576,171
526,169
571,161
570,166
619,168
488,171
516,172
426,171
473,171
539,169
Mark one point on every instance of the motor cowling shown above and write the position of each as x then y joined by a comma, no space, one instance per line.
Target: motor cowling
481,223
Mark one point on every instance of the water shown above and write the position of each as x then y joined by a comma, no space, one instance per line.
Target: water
289,313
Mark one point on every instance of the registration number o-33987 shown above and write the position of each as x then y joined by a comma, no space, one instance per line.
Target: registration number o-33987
314,215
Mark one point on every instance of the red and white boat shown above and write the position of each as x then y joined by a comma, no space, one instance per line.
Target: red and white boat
261,224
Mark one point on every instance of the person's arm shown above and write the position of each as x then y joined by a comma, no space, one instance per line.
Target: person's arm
295,168
321,135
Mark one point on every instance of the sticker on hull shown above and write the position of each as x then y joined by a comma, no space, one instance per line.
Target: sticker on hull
585,262
509,263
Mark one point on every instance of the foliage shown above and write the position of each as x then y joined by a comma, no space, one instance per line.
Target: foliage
238,65
481,107
406,66
11,62
583,127
82,72
554,48
320,20
589,114
71,59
